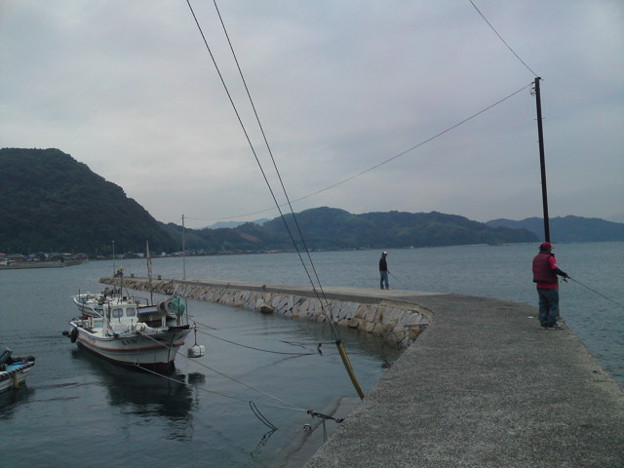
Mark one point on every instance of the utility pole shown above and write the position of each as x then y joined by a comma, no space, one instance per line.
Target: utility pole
183,251
540,134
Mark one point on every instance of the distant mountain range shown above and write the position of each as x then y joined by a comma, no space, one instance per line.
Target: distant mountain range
334,229
233,224
52,203
568,228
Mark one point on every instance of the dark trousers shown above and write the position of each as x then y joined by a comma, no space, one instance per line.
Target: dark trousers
548,306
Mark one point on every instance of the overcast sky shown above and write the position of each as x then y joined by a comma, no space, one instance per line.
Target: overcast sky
128,88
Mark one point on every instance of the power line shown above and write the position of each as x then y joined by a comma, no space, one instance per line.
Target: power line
501,38
281,181
317,287
386,161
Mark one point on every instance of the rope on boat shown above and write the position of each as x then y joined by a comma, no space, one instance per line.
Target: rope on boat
234,343
157,374
290,406
316,414
252,405
254,408
254,348
261,416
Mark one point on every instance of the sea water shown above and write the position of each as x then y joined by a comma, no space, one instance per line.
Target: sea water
259,370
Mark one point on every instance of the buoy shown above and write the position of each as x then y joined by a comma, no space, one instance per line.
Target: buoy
73,336
196,351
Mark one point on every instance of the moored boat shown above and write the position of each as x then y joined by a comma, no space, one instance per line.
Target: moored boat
133,335
13,370
92,304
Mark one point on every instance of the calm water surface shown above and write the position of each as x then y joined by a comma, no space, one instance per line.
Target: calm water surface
78,410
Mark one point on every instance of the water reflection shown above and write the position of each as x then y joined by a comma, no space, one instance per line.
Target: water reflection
148,396
11,399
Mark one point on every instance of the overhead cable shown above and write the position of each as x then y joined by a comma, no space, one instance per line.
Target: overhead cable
317,287
501,38
255,154
384,162
321,297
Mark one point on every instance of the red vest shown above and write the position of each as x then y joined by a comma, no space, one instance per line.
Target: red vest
542,272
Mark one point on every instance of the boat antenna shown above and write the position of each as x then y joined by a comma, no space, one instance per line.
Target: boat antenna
114,271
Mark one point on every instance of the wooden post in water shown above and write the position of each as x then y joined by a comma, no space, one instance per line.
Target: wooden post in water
540,134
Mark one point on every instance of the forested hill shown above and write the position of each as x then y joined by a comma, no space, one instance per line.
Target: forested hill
334,229
568,228
52,203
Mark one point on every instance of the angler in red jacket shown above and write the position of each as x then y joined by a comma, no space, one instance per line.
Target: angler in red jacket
545,271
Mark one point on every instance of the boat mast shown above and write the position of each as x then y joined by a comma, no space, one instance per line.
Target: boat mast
149,272
540,133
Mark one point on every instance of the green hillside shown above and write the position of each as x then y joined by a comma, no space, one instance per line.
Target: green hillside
327,228
53,203
568,228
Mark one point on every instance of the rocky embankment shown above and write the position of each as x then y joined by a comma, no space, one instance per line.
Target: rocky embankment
398,323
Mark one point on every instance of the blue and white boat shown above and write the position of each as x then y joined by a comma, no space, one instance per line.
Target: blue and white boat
13,370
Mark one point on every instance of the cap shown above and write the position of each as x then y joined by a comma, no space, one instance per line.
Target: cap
385,253
546,246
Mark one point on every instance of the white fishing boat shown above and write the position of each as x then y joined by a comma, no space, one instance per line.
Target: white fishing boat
13,371
133,335
132,331
90,303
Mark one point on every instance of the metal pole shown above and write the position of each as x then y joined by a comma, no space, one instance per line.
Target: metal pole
149,272
540,134
183,251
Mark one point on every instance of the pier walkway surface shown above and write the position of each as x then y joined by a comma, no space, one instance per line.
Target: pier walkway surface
483,386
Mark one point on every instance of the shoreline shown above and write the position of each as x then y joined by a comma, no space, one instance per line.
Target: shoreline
32,265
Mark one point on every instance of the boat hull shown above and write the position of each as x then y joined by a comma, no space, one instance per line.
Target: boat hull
155,350
14,375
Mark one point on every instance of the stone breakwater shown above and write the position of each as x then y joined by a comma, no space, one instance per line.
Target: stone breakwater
398,323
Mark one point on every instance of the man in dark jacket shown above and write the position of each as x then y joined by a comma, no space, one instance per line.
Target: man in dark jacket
383,271
545,271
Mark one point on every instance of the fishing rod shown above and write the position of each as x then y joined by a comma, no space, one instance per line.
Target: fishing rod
398,279
597,292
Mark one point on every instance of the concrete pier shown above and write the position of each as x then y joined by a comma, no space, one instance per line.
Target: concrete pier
482,386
